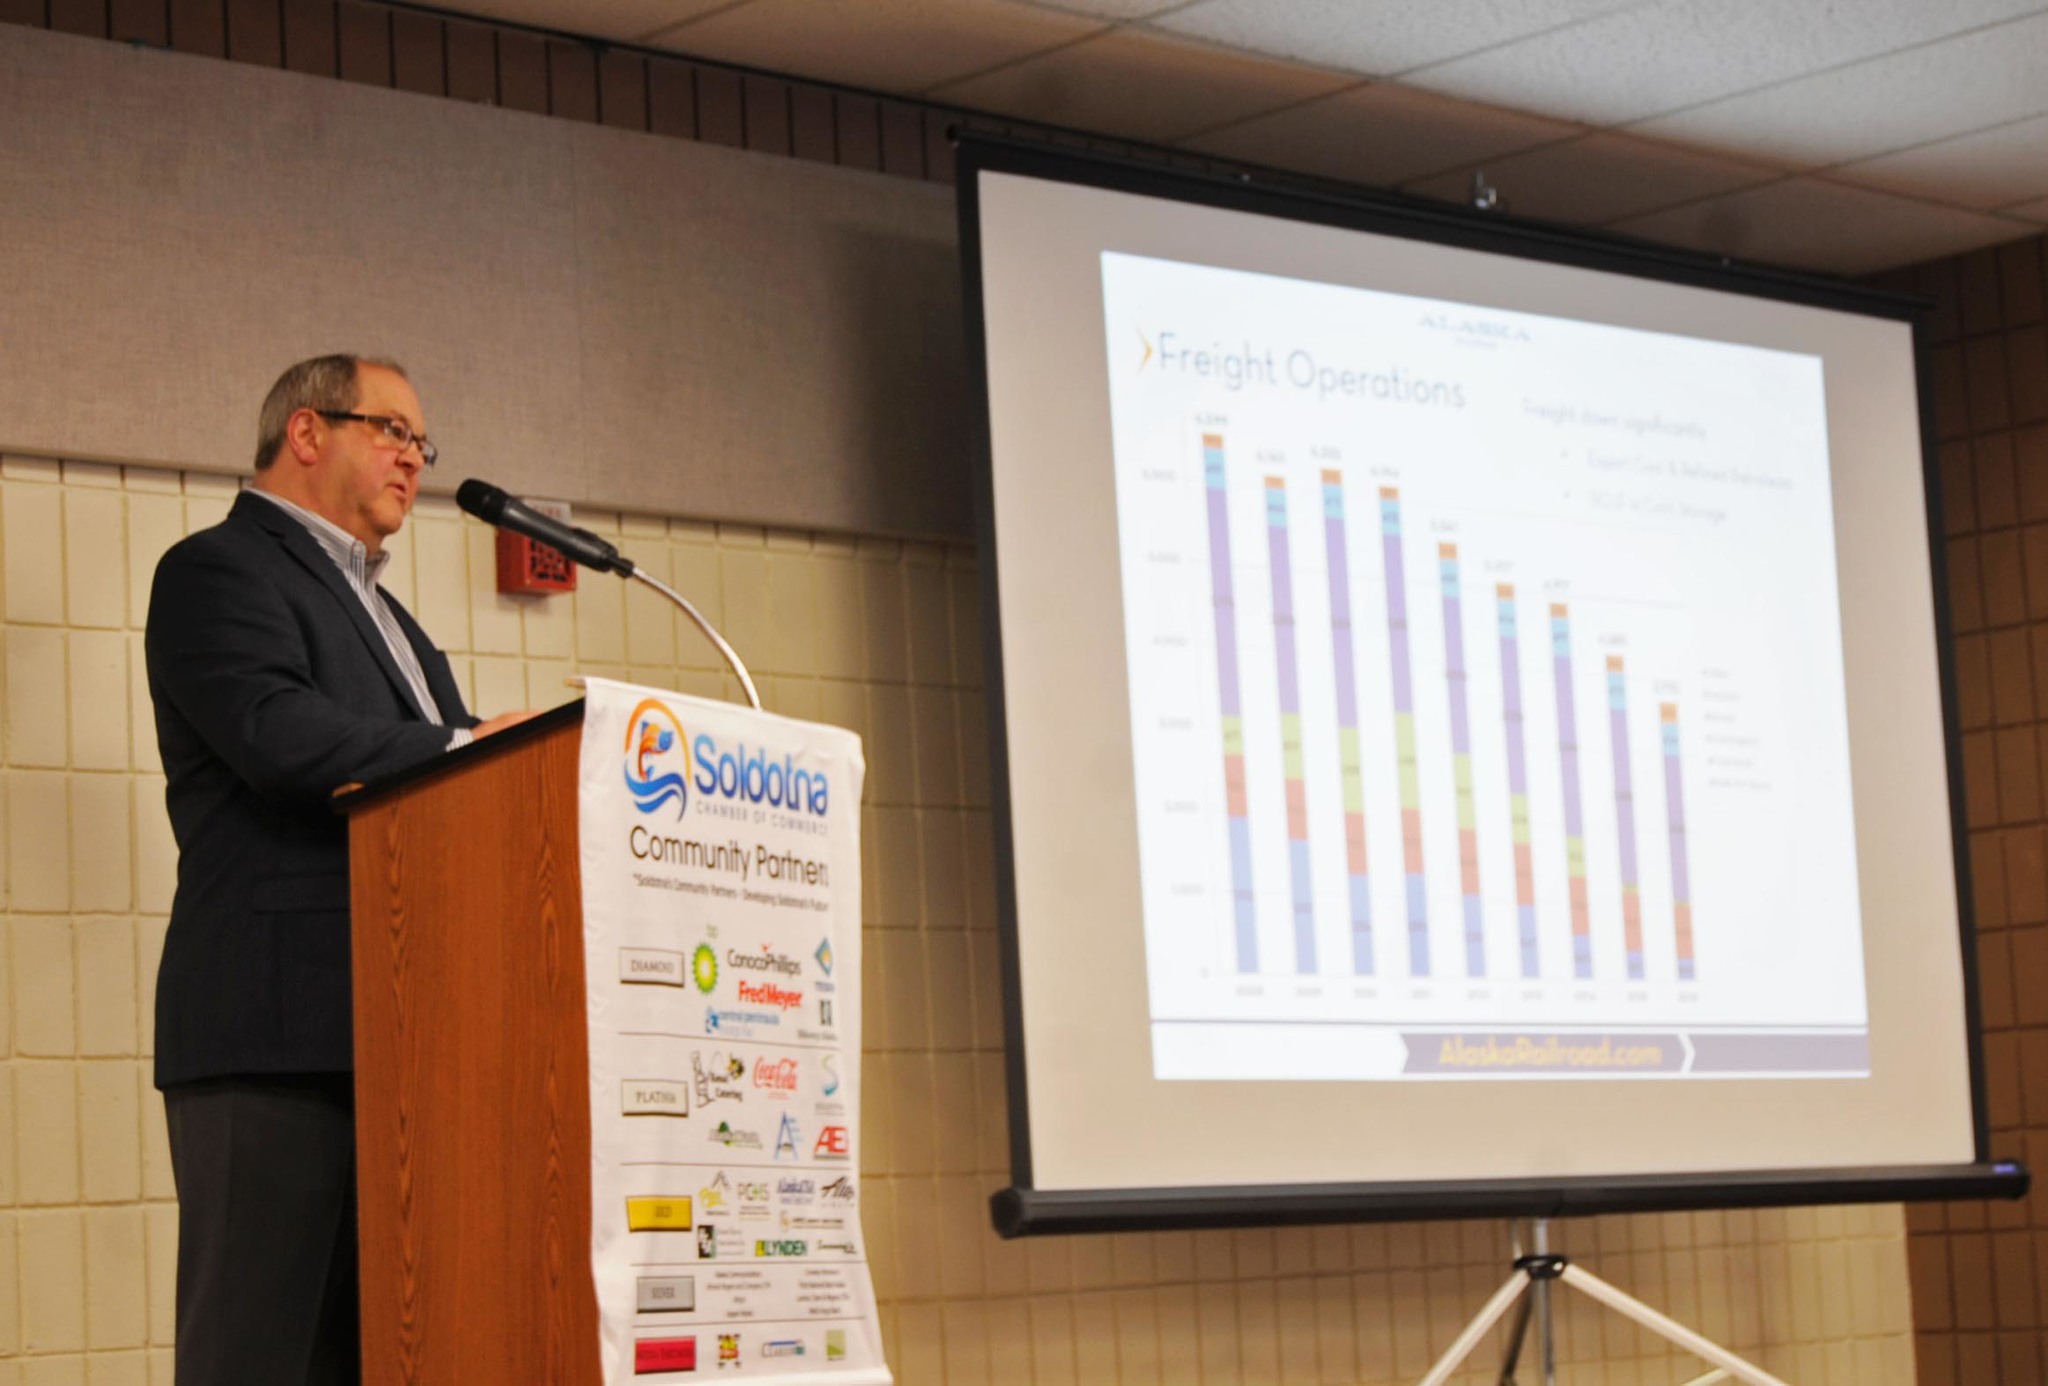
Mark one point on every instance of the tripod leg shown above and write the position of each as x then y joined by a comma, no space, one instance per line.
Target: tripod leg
1518,1332
1502,1301
1630,1307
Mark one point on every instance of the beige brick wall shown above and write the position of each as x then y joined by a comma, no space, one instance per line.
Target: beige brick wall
878,636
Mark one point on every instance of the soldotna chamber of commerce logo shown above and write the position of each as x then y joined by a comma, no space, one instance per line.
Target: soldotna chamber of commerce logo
652,735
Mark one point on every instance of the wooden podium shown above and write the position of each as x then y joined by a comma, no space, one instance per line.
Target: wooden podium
472,1066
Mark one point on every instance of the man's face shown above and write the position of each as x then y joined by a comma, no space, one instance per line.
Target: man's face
365,482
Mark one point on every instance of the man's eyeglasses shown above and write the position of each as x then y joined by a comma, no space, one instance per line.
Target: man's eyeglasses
397,430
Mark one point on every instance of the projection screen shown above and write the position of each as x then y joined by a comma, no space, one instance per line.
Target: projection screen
1468,717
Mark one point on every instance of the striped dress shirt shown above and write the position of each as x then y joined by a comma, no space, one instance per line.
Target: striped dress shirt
362,572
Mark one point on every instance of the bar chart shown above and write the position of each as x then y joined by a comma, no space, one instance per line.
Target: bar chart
1346,741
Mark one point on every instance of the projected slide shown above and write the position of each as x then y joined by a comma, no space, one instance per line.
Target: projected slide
1487,700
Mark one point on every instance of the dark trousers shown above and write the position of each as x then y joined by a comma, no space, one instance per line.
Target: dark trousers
266,1175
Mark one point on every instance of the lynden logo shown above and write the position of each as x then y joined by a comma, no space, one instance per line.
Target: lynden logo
791,1246
778,1076
767,960
652,732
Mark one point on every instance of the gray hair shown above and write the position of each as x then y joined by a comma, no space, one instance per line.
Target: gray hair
324,383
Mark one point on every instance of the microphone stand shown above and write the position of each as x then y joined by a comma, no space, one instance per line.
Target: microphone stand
710,631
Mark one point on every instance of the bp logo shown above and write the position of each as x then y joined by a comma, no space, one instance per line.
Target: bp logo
652,735
704,968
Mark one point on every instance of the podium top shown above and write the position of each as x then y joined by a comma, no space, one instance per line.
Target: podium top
352,797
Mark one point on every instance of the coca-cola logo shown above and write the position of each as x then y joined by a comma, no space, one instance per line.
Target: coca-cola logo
776,1075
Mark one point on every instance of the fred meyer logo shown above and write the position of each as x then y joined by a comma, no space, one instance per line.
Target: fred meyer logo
654,736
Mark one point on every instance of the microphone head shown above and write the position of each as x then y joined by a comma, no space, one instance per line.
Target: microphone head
481,499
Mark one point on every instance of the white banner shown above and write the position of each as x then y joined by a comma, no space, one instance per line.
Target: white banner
721,928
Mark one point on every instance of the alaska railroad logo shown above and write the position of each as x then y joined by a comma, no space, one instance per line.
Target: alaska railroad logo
652,733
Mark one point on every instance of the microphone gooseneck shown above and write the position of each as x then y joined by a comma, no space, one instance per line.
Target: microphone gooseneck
494,506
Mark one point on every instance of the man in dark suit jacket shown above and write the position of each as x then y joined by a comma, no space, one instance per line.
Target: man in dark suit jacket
280,671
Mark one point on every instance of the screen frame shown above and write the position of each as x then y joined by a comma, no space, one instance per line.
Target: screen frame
1023,1209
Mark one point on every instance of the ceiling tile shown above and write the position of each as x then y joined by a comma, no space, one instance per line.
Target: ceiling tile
1598,179
1382,38
888,45
1140,86
624,20
1989,77
1381,135
1986,169
1651,59
1808,223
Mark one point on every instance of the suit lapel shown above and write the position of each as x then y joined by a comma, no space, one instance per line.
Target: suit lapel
301,546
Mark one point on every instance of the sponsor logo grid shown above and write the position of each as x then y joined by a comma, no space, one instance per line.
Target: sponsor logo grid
726,956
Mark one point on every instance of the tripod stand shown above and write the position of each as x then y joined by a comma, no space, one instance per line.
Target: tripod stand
1539,1272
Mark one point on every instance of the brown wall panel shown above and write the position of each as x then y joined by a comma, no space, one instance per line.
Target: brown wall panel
139,21
859,127
1980,1271
255,32
721,108
419,60
199,26
309,38
363,41
472,61
622,89
766,101
522,71
572,81
86,17
672,98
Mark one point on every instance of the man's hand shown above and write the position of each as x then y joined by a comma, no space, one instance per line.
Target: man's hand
502,721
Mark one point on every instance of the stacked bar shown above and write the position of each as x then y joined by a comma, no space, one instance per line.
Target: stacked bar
1518,775
1574,816
1349,756
1293,765
1404,731
1681,877
1236,806
1461,760
1625,819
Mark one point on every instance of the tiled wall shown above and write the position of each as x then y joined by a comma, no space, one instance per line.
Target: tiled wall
879,636
1980,1271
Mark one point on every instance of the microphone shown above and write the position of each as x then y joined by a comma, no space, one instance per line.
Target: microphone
495,507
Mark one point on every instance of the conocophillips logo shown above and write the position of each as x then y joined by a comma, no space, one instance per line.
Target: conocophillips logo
652,732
